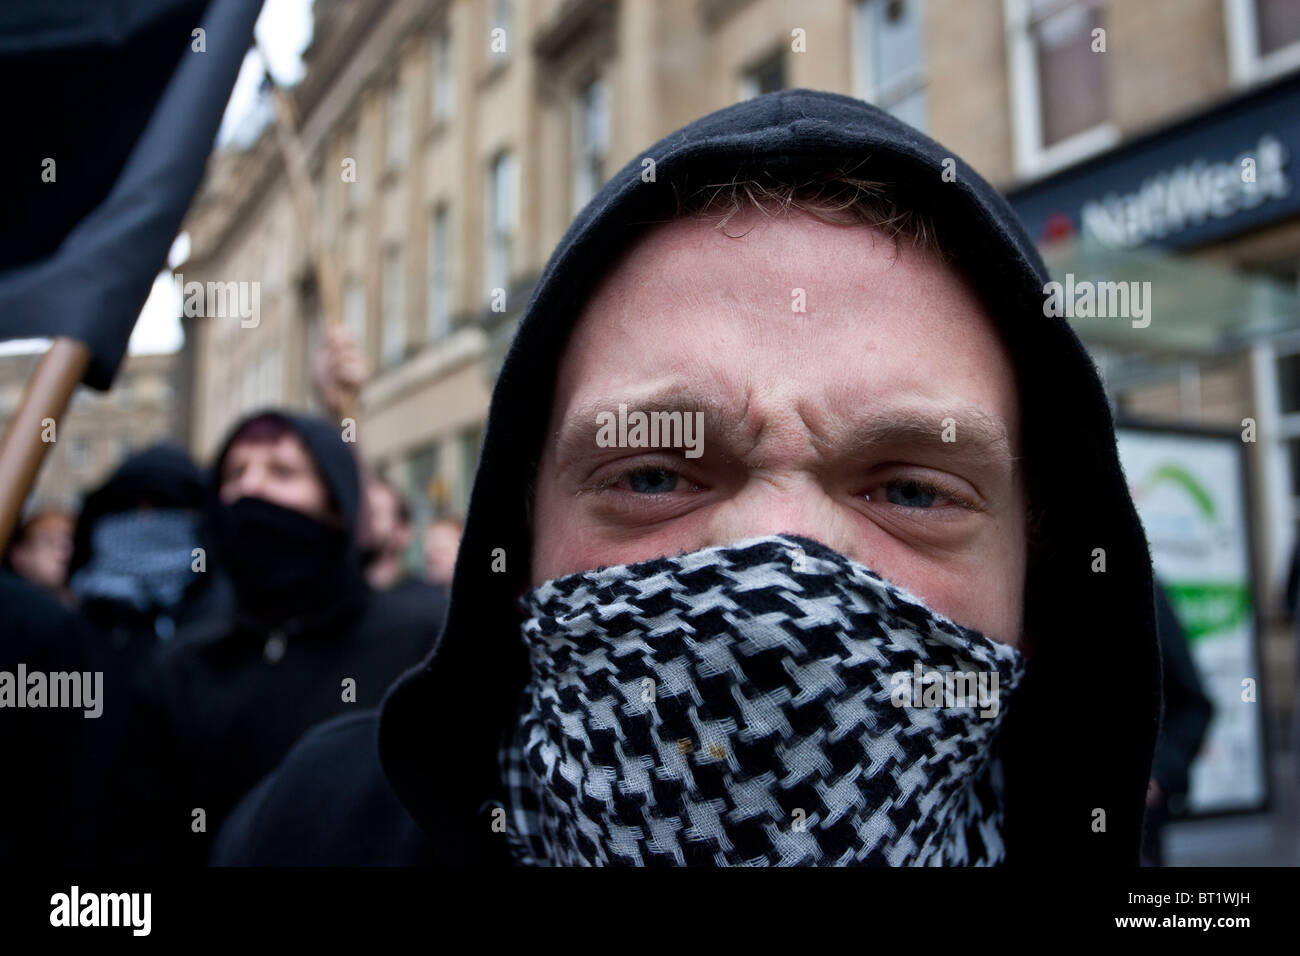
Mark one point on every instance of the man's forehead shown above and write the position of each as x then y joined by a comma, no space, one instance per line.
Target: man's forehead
756,243
835,422
771,323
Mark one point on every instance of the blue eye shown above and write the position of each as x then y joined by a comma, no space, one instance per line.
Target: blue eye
910,494
652,481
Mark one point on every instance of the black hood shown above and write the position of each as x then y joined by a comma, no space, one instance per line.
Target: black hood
1080,735
162,475
334,459
291,570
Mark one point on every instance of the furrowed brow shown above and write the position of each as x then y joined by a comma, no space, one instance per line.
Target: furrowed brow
968,433
576,439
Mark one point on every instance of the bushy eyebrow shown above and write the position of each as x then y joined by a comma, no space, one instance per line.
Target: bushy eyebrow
977,436
577,435
963,431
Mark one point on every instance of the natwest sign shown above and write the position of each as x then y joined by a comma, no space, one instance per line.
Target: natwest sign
1188,195
1227,171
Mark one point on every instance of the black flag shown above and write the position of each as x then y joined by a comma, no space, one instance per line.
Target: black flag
112,111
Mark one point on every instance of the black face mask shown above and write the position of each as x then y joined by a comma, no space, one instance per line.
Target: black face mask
284,563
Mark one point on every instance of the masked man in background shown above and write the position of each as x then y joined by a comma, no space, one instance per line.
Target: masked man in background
307,638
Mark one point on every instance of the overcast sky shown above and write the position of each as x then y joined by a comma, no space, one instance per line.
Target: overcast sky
283,29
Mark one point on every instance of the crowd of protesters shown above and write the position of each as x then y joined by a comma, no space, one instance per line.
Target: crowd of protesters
228,610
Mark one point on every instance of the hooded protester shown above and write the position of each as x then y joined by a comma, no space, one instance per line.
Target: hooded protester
307,638
49,804
785,459
137,549
385,554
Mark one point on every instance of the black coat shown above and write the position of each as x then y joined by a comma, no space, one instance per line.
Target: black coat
1080,735
327,804
216,710
1187,709
51,806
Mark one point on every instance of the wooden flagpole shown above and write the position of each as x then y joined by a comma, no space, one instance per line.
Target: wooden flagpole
27,439
300,189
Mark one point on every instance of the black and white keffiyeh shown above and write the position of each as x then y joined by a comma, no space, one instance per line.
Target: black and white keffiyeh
140,558
767,703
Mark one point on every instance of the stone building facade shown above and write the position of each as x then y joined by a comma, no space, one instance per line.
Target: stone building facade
474,129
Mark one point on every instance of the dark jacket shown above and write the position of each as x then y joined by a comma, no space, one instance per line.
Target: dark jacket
1187,710
327,804
50,804
1080,736
217,709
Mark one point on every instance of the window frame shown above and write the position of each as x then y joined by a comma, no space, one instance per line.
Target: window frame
437,283
861,33
1033,160
397,127
582,151
497,183
442,77
1247,66
392,307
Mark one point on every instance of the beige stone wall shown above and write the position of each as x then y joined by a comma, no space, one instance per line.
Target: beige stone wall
665,62
969,95
1166,59
100,428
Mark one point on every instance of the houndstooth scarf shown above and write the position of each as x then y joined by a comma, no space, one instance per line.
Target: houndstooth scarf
140,558
766,703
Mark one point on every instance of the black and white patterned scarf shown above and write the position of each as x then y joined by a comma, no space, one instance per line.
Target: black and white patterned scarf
141,558
767,703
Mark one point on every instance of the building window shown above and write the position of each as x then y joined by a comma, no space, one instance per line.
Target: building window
499,43
394,327
889,57
1058,83
591,141
502,199
397,126
357,190
1263,38
354,311
765,76
422,476
439,293
444,77
1288,381
325,205
268,378
471,441
247,387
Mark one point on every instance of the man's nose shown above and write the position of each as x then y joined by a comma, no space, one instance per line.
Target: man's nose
252,482
796,504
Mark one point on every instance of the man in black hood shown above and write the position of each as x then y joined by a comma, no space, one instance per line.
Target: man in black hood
785,461
307,640
137,553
